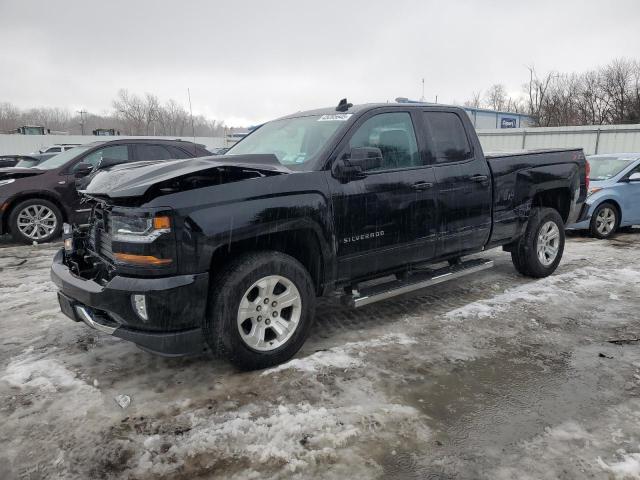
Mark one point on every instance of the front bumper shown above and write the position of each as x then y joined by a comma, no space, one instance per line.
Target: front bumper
175,305
583,220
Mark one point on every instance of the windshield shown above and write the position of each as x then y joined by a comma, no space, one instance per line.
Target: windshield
27,162
62,158
294,141
604,168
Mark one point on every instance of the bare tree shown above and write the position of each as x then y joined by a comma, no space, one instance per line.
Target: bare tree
496,97
537,96
131,110
9,117
617,82
475,100
593,102
151,112
173,118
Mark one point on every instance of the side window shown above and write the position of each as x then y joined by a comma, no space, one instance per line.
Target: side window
152,152
177,152
448,139
116,152
393,134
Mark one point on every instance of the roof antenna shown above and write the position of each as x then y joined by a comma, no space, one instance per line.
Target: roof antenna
343,105
193,128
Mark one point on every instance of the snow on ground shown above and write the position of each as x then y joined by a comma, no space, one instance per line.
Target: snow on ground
494,376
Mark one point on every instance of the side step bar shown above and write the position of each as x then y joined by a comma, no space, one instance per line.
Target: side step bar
415,281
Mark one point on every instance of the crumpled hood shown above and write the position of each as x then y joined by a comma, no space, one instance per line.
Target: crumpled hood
134,179
13,172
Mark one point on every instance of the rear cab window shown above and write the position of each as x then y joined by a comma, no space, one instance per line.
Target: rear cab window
447,138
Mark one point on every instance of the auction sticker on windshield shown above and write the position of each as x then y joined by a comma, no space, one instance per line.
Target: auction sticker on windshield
340,117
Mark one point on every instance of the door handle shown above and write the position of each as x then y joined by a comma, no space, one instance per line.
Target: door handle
479,178
422,185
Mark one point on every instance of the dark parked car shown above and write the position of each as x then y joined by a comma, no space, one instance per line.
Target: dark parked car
24,161
34,202
234,249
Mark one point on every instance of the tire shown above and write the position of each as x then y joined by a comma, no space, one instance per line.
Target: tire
545,227
231,337
604,221
21,225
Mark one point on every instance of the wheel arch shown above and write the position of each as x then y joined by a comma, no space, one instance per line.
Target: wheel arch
303,244
556,198
610,200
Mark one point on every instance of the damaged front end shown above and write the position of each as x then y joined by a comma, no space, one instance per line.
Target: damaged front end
118,275
139,182
120,272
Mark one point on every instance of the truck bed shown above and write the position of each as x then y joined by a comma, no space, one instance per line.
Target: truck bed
518,176
537,151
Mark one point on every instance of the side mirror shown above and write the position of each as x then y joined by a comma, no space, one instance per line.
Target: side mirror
356,162
109,162
82,169
635,177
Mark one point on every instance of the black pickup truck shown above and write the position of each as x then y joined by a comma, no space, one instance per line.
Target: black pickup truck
231,251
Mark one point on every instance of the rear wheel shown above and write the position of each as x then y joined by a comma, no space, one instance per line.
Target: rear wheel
604,221
35,220
260,310
540,249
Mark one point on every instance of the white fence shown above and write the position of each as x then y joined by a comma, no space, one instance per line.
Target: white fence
593,139
23,144
603,139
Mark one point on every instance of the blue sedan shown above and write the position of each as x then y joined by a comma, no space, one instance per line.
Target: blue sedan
614,194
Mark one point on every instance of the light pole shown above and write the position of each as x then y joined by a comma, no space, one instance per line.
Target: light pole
82,112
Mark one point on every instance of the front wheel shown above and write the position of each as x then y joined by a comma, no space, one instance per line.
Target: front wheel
604,221
540,249
260,311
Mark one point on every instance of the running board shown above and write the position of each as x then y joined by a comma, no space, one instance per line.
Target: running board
414,281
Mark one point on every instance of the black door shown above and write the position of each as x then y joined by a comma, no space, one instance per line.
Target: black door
387,218
463,184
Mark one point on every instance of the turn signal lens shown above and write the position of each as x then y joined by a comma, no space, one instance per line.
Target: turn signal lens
161,223
142,259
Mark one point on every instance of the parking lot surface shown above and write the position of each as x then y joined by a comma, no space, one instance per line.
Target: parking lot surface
493,376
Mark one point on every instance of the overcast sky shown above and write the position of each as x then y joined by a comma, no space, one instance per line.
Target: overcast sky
250,61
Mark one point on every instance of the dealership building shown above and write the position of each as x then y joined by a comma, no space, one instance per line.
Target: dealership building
487,119
484,119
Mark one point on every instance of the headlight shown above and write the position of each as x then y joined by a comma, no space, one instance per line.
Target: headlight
7,181
139,229
593,190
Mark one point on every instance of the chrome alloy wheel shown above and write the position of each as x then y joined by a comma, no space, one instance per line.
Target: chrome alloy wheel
37,222
548,243
269,313
605,221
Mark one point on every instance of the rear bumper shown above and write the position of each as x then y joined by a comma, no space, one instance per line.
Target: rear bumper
175,308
